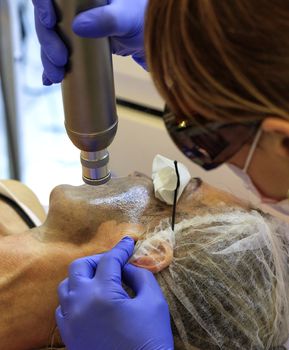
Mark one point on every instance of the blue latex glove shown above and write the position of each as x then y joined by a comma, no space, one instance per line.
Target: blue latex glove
97,314
121,20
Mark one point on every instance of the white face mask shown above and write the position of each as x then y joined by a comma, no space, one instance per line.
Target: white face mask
279,209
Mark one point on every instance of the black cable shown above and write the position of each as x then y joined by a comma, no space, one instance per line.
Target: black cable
139,107
18,210
175,196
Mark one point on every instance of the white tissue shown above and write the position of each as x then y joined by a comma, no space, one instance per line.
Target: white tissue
165,179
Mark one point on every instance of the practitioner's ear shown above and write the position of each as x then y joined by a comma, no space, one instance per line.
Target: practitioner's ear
158,256
281,127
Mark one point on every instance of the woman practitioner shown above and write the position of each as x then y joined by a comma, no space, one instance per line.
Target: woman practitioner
223,69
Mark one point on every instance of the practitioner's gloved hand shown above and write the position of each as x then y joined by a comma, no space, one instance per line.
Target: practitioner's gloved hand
122,20
95,312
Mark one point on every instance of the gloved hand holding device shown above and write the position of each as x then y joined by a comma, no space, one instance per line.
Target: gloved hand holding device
121,20
96,313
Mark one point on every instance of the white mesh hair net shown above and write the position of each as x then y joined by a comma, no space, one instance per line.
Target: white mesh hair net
228,284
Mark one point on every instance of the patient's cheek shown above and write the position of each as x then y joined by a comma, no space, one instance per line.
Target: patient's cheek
111,232
156,257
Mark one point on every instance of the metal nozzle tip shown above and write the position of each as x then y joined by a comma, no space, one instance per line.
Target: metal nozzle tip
95,167
97,182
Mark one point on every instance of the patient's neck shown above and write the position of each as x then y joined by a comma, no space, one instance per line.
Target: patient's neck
30,271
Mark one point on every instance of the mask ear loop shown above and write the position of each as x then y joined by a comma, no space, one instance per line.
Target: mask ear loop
252,150
175,196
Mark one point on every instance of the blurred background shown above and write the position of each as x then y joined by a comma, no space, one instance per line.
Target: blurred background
34,147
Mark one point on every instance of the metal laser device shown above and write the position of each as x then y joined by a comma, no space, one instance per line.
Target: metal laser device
88,93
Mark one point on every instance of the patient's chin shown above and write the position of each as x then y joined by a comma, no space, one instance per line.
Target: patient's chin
157,259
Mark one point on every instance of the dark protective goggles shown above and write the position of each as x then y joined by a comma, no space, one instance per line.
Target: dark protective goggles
208,144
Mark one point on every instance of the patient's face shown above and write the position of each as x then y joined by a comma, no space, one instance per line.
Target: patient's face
125,206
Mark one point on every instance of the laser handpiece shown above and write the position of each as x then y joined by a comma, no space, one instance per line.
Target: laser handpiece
88,93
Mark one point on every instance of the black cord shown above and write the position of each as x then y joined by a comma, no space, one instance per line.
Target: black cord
175,196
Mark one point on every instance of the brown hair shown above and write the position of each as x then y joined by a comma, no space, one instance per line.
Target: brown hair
225,59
